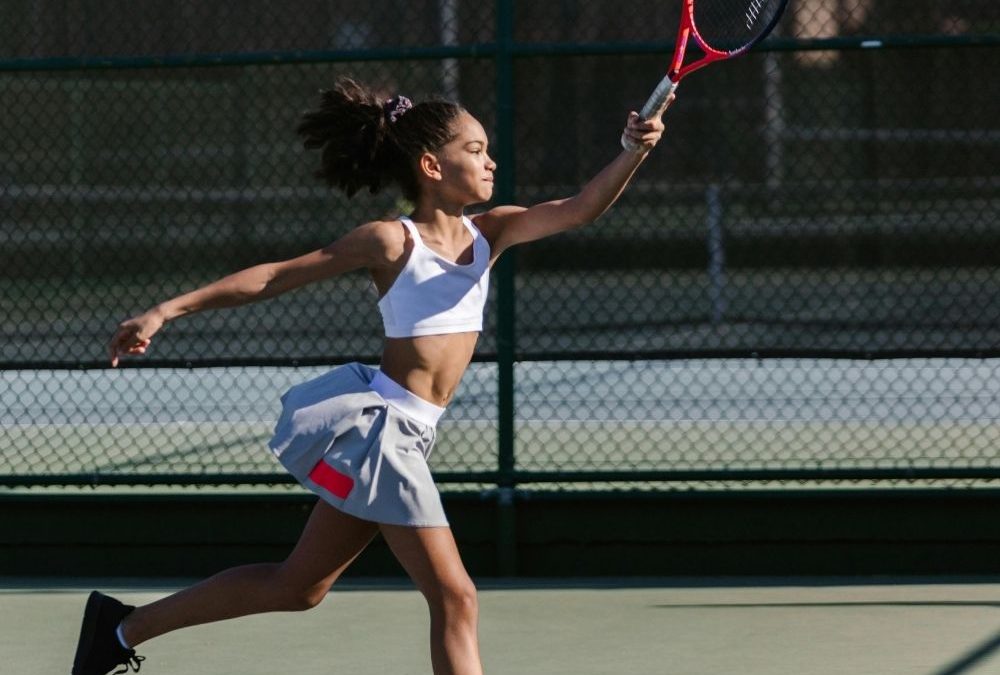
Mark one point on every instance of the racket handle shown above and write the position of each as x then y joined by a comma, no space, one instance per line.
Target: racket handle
654,107
658,99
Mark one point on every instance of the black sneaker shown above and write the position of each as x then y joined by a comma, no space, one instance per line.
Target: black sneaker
98,650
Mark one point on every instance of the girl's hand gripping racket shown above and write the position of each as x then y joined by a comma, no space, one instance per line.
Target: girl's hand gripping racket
722,29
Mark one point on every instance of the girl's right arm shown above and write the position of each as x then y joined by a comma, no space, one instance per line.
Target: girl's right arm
371,245
506,226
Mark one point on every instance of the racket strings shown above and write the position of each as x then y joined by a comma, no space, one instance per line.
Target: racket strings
735,25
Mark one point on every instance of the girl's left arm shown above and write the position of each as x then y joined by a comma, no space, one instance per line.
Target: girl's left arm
506,226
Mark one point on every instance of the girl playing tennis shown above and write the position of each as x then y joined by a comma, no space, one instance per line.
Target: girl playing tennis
359,437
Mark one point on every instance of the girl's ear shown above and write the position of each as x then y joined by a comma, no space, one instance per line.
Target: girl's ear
430,166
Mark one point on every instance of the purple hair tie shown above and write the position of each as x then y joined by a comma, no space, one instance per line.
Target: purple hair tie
396,107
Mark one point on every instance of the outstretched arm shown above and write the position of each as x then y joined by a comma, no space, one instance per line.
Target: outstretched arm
366,246
506,226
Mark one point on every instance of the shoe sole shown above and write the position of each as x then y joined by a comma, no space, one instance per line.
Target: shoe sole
87,629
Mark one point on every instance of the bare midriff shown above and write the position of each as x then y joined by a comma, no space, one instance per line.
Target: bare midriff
430,366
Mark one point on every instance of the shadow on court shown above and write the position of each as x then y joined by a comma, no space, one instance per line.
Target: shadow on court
979,656
557,627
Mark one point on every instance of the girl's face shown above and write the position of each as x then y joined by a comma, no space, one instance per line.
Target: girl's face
465,165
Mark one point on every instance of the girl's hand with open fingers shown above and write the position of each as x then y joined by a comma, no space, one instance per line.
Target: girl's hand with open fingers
641,135
133,335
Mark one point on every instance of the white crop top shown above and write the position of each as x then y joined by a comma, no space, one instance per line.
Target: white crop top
433,295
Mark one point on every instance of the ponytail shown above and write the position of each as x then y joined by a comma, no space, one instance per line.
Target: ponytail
368,142
350,131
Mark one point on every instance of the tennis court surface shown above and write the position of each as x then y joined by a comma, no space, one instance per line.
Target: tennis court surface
642,627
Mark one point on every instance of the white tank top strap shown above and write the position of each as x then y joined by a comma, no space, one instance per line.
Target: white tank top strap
476,234
411,228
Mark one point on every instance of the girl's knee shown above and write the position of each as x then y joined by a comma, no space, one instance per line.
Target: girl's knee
303,598
297,595
457,599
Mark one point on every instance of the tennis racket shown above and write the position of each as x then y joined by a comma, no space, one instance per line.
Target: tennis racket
722,29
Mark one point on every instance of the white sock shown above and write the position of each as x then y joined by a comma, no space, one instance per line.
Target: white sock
121,637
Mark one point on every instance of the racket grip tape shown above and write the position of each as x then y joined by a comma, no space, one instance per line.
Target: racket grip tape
654,107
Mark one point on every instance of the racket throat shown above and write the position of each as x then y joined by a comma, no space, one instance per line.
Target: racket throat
679,53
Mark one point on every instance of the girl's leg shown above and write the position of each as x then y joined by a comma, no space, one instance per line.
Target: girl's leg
429,555
330,541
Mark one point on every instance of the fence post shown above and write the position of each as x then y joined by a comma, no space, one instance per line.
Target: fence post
78,176
506,338
449,38
716,253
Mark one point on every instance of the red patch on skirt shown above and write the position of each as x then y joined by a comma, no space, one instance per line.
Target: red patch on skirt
336,482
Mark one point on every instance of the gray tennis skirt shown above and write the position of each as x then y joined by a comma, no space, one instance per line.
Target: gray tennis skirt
361,441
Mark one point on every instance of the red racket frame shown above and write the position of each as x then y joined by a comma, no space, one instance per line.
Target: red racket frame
687,31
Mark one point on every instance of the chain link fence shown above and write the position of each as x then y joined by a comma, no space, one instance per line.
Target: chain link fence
801,286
